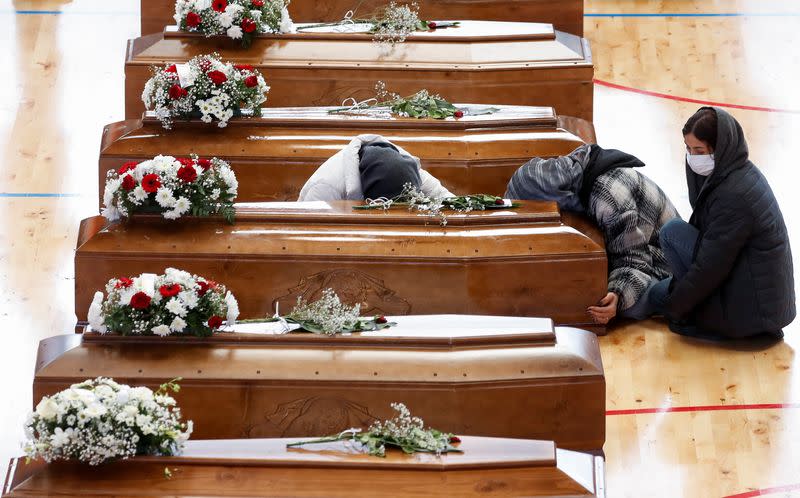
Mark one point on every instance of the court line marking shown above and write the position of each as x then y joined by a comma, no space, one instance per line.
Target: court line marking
38,194
765,491
703,408
692,100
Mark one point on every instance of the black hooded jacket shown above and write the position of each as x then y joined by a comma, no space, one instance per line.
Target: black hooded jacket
741,281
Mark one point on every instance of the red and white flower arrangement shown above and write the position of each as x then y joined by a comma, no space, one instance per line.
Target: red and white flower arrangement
171,186
176,302
237,19
204,87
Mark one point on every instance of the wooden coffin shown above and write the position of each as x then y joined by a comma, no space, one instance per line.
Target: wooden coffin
517,262
482,62
275,154
565,15
487,376
266,468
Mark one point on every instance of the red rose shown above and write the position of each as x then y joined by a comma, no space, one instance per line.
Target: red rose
192,19
454,439
258,3
499,202
187,174
128,183
130,165
169,290
140,301
219,5
458,114
171,69
431,25
251,81
214,322
203,288
176,92
243,67
218,77
248,26
204,163
151,182
381,319
123,283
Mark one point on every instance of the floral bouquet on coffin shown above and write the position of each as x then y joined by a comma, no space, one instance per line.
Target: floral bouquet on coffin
237,19
99,420
204,87
176,302
404,432
172,187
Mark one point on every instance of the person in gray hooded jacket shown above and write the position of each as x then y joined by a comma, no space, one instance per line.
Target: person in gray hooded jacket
732,263
629,208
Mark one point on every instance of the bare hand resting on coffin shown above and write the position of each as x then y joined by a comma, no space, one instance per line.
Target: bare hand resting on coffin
605,310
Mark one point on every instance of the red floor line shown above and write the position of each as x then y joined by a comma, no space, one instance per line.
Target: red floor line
766,491
694,101
704,408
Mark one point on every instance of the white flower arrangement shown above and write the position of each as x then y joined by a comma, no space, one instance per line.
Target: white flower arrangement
236,19
176,302
99,420
204,87
172,187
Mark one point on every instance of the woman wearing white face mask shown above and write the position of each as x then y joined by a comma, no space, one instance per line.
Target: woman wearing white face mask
731,264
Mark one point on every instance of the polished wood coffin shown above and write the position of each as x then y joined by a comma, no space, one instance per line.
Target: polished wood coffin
275,154
483,62
517,262
565,15
487,376
266,468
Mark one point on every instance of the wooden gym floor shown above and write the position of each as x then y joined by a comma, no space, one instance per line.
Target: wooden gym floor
684,418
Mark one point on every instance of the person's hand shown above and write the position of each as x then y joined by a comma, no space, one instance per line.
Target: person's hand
605,310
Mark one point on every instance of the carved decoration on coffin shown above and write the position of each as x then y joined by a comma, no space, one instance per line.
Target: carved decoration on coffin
352,286
319,415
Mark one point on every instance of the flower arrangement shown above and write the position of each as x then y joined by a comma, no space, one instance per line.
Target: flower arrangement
237,19
205,87
172,187
389,25
99,420
420,105
176,302
404,432
415,200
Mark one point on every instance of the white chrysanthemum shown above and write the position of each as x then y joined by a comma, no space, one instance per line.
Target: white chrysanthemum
182,277
95,314
188,298
165,198
111,188
182,205
171,215
233,9
161,330
233,308
176,307
255,14
110,213
225,20
234,32
139,193
178,324
286,26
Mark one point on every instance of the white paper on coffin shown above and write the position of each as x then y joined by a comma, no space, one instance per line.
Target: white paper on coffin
265,328
363,27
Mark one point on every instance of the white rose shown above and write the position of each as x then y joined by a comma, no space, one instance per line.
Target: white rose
161,330
47,409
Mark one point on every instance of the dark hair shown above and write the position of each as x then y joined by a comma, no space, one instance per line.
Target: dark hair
703,125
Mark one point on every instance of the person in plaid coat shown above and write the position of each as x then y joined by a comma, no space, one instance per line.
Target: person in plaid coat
629,208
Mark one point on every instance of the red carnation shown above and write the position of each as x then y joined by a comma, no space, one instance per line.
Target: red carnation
248,26
123,283
381,319
169,290
219,5
176,92
185,161
130,165
459,114
171,69
455,439
203,288
218,77
151,182
187,174
204,163
128,183
243,67
192,19
431,25
251,81
214,322
140,301
258,3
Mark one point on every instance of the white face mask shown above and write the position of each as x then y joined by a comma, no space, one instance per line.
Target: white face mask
703,165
